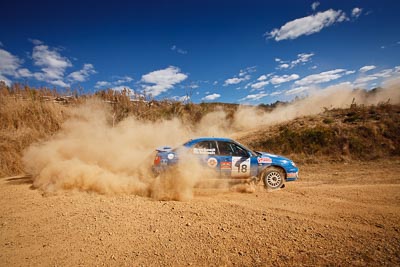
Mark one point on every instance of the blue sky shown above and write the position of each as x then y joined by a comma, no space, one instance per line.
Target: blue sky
226,51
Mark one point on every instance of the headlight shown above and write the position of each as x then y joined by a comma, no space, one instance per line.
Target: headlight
293,164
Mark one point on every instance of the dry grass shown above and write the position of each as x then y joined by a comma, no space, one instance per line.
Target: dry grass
28,115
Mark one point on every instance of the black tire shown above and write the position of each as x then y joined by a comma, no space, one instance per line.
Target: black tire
273,178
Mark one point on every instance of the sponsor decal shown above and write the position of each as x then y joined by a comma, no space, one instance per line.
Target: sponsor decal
226,165
212,162
264,160
204,151
171,156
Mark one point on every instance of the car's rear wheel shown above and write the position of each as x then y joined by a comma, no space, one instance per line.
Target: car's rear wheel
273,178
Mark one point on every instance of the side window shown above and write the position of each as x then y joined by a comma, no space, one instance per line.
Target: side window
231,149
205,148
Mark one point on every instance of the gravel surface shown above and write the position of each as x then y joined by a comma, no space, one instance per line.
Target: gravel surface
336,215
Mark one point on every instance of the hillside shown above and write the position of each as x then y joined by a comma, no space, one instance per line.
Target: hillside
359,132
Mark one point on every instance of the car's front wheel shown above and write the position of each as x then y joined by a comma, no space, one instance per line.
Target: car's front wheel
273,178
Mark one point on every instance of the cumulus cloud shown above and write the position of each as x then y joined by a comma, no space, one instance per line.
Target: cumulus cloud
297,90
302,59
101,84
383,74
246,71
83,74
9,63
211,97
356,12
315,5
162,80
322,77
52,64
254,97
367,68
10,67
259,85
244,75
307,25
284,78
264,77
235,80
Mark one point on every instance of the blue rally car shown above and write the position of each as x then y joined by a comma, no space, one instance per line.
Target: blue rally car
230,159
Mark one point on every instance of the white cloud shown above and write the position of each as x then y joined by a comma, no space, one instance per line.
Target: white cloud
262,77
297,90
243,74
8,63
356,12
363,80
314,5
233,81
386,73
321,77
284,66
253,97
211,97
178,50
100,84
383,74
10,67
367,68
247,71
302,58
124,79
162,80
276,93
283,79
83,74
307,25
24,73
236,80
349,72
52,64
259,85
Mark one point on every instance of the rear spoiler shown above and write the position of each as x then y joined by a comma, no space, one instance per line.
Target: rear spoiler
164,149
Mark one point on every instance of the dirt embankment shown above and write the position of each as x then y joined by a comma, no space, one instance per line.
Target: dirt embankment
336,214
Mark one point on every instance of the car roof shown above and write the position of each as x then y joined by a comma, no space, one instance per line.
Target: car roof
200,139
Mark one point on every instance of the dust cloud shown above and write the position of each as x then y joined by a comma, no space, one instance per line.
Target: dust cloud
88,154
338,96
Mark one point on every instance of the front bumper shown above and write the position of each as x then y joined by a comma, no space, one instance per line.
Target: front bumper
292,176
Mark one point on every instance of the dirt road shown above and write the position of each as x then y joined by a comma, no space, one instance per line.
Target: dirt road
337,214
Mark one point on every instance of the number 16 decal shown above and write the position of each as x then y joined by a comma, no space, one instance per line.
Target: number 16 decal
240,167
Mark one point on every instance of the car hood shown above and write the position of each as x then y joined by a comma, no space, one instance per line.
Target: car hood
273,157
